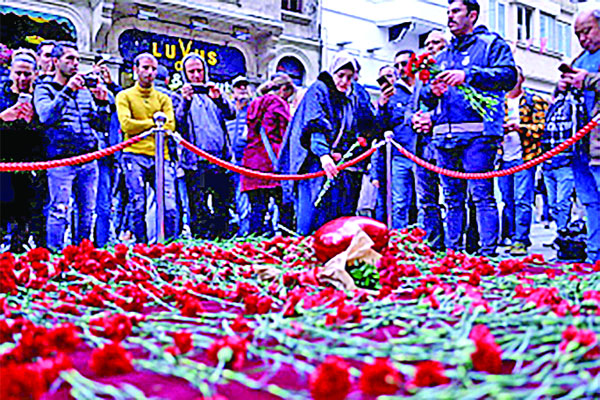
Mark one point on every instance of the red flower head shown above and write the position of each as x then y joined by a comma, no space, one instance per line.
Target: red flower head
362,141
424,75
380,378
191,307
21,381
116,327
65,337
183,342
429,374
487,355
231,350
331,380
111,359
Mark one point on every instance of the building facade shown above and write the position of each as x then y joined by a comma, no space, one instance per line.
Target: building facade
540,32
235,37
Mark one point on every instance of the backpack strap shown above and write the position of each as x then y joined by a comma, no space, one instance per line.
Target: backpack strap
268,146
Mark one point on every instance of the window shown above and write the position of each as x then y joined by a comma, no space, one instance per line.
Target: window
292,5
524,23
548,31
497,14
564,38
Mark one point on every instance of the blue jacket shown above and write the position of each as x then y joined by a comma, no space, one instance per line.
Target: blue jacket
236,128
490,68
73,120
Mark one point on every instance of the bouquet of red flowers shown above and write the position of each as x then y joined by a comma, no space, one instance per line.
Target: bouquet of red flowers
424,68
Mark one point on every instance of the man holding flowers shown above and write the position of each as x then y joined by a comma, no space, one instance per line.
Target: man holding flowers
478,64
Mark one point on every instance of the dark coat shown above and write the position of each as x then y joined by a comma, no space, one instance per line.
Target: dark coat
273,113
314,128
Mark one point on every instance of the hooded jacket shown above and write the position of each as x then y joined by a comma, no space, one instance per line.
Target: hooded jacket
73,119
202,122
489,67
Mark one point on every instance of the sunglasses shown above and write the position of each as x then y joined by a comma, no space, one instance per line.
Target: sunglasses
401,64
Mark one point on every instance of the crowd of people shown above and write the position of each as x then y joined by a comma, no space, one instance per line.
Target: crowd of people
49,110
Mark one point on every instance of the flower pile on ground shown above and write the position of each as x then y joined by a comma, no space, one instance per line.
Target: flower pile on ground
250,319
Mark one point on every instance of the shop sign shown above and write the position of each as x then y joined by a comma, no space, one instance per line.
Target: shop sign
224,63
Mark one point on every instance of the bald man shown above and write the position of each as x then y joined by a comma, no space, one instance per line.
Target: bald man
435,42
587,29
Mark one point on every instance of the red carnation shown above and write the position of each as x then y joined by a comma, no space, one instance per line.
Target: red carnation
331,380
380,378
191,307
65,337
430,373
183,342
21,381
111,359
362,141
424,75
231,350
487,355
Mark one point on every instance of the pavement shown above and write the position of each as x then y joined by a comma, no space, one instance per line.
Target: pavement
540,235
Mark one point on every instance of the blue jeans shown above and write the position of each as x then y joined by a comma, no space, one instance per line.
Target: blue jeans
82,181
106,177
587,191
560,184
428,200
518,192
242,207
138,170
470,155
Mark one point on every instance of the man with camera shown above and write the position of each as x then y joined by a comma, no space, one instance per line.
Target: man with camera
136,108
201,116
72,110
587,30
463,138
20,140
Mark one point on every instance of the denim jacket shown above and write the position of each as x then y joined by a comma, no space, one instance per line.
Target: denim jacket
74,120
489,67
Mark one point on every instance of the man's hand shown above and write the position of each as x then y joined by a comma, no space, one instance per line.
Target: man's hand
421,122
76,82
453,77
438,88
27,112
574,79
375,183
213,91
12,113
100,92
386,93
187,92
104,73
329,166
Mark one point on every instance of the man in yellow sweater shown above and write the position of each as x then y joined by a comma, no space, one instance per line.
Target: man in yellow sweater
136,107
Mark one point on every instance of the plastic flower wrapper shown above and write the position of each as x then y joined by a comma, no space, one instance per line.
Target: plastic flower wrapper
424,68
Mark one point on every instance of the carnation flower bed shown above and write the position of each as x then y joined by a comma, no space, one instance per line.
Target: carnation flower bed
250,320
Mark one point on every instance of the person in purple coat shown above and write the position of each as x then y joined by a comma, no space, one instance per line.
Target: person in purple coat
268,118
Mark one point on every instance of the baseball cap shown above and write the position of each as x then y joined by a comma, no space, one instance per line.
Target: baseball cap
239,80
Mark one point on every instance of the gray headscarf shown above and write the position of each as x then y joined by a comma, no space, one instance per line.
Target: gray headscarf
342,60
193,56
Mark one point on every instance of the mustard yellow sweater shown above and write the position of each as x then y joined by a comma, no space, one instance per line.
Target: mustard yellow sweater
135,107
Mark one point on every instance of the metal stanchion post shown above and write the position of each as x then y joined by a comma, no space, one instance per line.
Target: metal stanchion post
388,176
160,119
